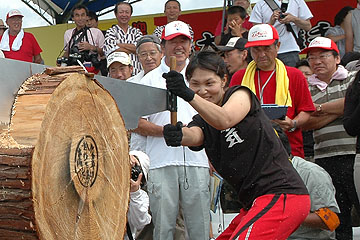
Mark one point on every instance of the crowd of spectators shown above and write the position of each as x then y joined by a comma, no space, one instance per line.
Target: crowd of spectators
303,188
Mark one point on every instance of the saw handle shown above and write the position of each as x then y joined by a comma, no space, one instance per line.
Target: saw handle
172,97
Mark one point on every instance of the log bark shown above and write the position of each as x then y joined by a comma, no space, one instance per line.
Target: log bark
64,162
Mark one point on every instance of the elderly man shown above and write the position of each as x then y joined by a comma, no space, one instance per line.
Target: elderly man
297,16
148,50
122,37
17,44
177,176
273,82
235,54
119,66
334,148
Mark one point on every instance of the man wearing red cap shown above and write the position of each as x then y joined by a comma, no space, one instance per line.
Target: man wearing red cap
273,82
17,44
177,175
334,148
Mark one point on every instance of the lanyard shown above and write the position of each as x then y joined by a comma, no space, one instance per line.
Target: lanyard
261,90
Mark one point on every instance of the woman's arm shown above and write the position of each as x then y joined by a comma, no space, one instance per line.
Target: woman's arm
226,116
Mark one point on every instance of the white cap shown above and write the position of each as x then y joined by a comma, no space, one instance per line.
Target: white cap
262,35
120,57
13,13
322,43
144,161
174,29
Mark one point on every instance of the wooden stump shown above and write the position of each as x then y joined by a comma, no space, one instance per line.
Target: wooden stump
64,162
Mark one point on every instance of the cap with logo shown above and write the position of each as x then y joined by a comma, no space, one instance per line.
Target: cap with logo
234,43
147,38
322,43
120,57
174,29
262,35
13,13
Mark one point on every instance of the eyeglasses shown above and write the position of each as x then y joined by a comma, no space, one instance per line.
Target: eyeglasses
321,57
144,55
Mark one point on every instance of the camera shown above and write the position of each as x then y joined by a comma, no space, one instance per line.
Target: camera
282,15
135,172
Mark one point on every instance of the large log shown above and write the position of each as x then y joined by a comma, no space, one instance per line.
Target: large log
64,162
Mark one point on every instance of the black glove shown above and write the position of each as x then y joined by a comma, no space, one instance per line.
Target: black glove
175,83
173,134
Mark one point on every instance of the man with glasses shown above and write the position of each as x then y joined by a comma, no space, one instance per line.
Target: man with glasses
334,148
17,44
148,50
273,82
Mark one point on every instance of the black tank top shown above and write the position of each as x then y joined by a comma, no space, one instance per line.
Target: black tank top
250,156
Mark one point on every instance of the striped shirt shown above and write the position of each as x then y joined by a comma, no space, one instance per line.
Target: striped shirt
332,139
115,35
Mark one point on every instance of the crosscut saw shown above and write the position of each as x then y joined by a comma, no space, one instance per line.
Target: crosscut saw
133,100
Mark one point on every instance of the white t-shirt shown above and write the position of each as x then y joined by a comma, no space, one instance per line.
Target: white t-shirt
261,13
159,153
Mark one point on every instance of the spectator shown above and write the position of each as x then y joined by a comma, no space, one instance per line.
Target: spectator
138,214
273,82
172,12
92,20
122,37
119,65
337,33
351,61
235,18
149,52
242,146
322,219
351,123
246,24
298,15
352,30
177,176
83,40
17,44
308,139
334,149
235,54
2,27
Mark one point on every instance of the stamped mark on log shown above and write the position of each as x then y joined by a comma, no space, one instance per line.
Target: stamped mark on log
86,161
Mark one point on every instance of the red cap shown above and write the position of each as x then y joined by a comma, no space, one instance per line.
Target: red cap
262,35
13,13
174,29
322,43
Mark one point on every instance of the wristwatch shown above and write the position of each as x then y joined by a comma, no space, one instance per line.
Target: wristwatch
319,108
293,128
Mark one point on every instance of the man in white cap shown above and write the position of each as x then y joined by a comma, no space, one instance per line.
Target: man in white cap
119,65
296,16
334,149
177,175
17,44
273,82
